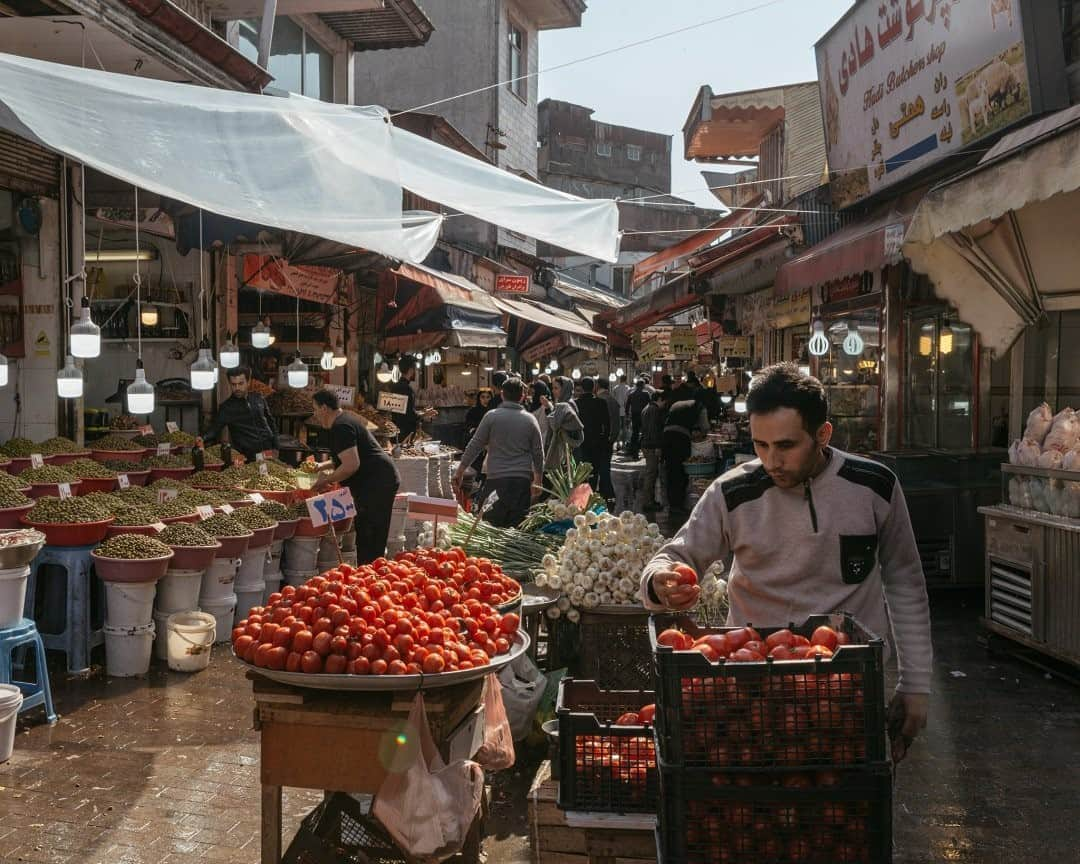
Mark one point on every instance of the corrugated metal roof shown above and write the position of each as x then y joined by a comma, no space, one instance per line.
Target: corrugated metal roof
401,24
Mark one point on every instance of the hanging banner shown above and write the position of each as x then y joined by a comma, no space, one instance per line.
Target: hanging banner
267,273
547,348
683,343
734,346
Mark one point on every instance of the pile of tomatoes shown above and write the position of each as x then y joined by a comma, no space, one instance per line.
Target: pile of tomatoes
745,645
424,612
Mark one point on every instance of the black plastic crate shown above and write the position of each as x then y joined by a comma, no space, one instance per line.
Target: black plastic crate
770,714
614,649
341,831
775,817
604,768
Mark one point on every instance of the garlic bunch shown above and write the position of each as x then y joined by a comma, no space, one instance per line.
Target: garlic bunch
601,562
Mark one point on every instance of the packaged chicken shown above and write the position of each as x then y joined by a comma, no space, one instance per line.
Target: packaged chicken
1064,432
1025,452
1039,422
1071,460
1050,459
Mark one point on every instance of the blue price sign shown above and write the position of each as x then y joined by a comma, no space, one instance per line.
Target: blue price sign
331,507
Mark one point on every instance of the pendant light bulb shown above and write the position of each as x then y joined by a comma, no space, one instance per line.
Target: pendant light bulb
326,362
3,371
69,380
740,405
726,398
436,357
339,356
140,393
230,354
149,315
85,336
620,372
576,374
395,374
377,359
819,342
853,342
260,335
203,371
297,373
384,375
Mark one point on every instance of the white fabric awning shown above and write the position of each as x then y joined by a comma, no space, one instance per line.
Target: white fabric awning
554,319
332,171
999,242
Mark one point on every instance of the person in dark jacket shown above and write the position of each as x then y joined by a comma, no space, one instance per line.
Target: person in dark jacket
685,420
247,418
472,422
636,403
652,443
596,450
409,422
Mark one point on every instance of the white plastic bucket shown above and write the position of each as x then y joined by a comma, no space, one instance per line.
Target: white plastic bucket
190,637
161,646
127,650
348,542
250,573
245,599
298,577
129,604
222,609
11,700
12,596
178,591
272,586
276,549
349,557
302,553
218,580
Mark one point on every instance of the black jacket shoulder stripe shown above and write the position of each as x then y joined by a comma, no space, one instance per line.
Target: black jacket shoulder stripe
749,487
870,474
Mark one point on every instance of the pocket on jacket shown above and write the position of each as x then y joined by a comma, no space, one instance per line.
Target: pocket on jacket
858,555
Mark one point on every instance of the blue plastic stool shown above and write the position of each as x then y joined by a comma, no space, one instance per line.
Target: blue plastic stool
25,633
78,637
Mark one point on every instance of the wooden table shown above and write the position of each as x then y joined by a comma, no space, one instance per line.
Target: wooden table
340,742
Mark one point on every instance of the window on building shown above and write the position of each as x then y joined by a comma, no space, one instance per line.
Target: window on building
298,62
1070,28
603,148
519,85
633,152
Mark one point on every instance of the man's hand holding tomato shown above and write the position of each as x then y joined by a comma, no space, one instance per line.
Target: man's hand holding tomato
677,589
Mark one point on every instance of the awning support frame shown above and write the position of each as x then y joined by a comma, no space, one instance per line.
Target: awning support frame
1025,259
982,264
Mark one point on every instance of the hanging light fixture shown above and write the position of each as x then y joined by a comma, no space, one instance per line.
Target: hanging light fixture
203,371
340,359
819,342
3,371
377,359
229,357
148,315
436,357
69,380
945,340
260,334
740,405
395,373
853,342
612,377
297,371
85,335
576,374
327,360
726,398
620,372
140,392
383,375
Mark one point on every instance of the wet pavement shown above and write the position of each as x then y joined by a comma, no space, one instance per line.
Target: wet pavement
165,769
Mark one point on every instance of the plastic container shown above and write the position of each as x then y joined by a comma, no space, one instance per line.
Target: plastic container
301,553
170,473
161,641
262,537
128,650
11,517
305,528
138,478
178,590
246,598
232,547
189,639
222,610
604,768
71,534
11,699
286,528
614,649
285,497
190,518
129,604
193,557
18,464
40,490
834,707
347,541
95,484
297,578
143,530
118,455
270,586
251,569
12,595
130,570
219,580
349,558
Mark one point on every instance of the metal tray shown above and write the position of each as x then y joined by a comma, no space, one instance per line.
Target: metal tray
385,683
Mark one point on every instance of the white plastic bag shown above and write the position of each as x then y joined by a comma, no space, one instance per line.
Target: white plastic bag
1071,460
1028,452
1050,458
1039,422
1064,433
522,690
428,808
497,751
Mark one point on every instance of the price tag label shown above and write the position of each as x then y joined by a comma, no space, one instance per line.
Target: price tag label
227,509
422,508
166,495
205,511
122,481
171,426
331,507
159,527
264,469
163,449
260,457
256,497
395,403
65,490
36,460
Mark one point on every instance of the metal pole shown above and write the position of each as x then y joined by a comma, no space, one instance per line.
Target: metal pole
266,32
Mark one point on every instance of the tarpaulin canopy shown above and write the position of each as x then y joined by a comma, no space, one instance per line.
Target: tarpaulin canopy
421,308
332,171
541,331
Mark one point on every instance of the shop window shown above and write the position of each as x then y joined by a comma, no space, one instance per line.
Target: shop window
633,152
603,148
519,85
298,62
940,397
852,378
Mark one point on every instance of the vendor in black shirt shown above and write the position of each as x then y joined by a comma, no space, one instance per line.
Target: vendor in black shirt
360,464
247,418
410,421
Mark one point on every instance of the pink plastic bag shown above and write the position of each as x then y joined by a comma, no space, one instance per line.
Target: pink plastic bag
429,807
497,751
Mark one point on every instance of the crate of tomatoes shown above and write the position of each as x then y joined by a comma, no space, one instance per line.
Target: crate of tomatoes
799,696
762,817
607,754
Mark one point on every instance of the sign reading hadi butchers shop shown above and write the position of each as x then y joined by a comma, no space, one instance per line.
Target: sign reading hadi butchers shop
904,83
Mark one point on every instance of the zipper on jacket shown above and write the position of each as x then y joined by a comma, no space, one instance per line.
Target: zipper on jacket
810,503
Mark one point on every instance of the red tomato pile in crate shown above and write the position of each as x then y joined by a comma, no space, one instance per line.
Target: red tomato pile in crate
423,612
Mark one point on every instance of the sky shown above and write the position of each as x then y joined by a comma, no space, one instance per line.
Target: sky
653,86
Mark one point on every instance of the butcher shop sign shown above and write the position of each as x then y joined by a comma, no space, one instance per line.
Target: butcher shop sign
904,83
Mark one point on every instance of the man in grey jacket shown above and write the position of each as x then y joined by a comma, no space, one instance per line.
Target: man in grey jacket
515,461
812,530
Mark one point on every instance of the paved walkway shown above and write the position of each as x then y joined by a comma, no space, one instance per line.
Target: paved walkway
165,769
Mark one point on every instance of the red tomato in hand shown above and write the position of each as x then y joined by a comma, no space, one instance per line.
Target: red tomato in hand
686,574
